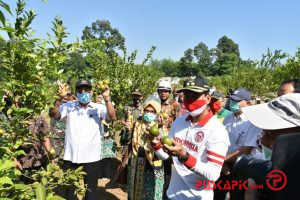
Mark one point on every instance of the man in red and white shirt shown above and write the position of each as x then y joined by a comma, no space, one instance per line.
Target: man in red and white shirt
200,143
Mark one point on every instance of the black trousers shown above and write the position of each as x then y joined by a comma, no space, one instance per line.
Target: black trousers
235,194
90,179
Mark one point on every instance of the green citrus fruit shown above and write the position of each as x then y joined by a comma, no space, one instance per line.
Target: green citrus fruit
106,82
102,87
165,115
81,192
52,151
154,131
1,132
167,140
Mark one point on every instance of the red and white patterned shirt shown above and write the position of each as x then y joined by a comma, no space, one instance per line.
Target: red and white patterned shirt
207,143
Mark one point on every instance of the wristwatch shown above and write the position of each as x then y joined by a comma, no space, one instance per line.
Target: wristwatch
184,158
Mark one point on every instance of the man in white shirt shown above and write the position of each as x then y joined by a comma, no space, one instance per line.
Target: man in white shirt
200,143
83,140
244,139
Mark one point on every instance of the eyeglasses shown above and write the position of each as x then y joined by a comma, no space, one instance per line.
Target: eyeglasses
149,111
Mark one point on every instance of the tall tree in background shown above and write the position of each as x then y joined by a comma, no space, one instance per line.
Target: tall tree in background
168,66
204,59
187,66
227,56
76,65
102,30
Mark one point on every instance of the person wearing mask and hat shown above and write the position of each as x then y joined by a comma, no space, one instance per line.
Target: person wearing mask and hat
244,139
145,170
217,104
199,145
130,114
170,109
82,141
281,118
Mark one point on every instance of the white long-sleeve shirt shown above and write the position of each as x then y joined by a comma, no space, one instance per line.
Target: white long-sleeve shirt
207,143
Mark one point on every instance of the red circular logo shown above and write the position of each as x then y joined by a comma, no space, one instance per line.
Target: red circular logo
199,136
279,178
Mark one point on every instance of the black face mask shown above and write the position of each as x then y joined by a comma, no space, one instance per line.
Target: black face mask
136,100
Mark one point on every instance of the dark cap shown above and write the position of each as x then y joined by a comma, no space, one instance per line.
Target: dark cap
240,94
83,83
195,84
136,92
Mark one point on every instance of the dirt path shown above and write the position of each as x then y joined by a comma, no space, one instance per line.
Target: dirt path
111,191
108,189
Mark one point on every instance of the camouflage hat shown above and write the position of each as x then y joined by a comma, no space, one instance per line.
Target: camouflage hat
217,95
136,92
195,84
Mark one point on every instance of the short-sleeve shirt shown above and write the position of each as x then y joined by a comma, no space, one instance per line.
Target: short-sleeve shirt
243,133
83,137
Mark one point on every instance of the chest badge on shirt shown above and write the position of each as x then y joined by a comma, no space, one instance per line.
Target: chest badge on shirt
199,136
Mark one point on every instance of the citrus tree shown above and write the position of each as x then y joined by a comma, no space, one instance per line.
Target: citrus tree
29,66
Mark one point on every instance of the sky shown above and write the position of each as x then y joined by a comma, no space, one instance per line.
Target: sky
176,25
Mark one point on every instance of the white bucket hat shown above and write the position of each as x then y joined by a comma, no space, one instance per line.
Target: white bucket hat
281,113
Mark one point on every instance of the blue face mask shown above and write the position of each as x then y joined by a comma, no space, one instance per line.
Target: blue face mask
84,97
234,106
149,117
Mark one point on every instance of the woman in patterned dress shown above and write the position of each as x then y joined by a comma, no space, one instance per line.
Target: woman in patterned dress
145,171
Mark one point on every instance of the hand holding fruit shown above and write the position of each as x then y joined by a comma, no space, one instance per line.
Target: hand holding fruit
176,149
104,87
63,89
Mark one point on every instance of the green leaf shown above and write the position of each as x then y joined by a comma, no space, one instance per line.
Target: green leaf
6,7
5,198
19,152
44,181
7,164
6,149
22,187
40,192
78,169
9,111
55,198
5,180
7,29
28,92
2,18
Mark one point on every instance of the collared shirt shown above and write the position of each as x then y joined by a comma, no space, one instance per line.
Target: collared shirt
243,133
172,109
207,141
83,139
135,111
